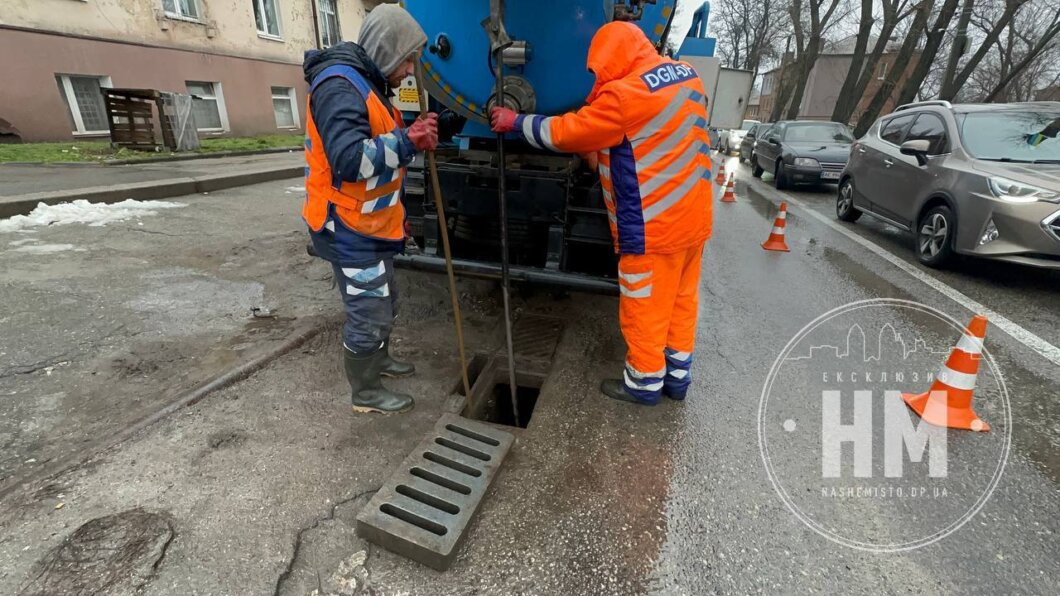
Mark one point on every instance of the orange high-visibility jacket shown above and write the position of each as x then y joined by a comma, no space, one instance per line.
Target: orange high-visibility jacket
371,206
646,116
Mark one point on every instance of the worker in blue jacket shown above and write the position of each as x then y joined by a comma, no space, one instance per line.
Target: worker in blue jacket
356,153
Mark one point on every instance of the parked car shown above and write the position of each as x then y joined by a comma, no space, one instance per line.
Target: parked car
802,152
977,179
730,140
747,145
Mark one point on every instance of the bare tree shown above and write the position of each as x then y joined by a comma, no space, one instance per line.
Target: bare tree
920,21
863,67
748,31
1025,55
950,87
810,41
935,37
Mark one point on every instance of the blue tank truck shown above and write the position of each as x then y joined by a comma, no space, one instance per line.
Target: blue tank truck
557,221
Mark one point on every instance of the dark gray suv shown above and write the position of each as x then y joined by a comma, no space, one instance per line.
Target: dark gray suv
976,179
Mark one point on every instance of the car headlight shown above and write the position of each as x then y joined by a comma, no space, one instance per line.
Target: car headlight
1018,192
807,162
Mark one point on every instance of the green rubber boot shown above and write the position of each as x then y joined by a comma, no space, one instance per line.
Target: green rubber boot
395,368
368,394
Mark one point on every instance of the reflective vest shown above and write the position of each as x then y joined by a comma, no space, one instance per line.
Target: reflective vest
371,207
656,182
647,119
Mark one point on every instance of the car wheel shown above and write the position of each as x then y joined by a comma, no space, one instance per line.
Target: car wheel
934,236
780,177
756,170
739,157
844,205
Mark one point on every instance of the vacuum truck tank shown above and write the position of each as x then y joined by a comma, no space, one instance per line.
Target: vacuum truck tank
556,215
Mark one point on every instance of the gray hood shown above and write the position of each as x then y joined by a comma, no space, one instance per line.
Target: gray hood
389,35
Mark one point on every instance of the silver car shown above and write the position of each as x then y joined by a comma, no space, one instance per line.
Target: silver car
975,179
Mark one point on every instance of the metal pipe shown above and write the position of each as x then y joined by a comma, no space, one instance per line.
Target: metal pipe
527,275
501,42
439,206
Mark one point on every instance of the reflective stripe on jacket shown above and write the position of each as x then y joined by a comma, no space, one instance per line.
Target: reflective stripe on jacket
372,205
647,118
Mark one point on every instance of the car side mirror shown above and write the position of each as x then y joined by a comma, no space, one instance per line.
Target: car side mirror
918,149
774,141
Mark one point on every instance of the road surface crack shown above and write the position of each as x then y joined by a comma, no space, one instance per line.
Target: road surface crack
28,369
316,523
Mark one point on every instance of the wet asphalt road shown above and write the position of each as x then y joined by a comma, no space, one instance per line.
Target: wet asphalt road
607,498
729,530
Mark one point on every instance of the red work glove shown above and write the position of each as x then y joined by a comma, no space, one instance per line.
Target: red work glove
502,120
424,132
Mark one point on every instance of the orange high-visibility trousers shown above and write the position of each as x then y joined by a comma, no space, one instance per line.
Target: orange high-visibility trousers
657,312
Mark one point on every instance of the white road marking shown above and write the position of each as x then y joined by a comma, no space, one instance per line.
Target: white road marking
1043,348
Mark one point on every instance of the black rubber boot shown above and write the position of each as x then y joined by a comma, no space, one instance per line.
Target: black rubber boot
368,394
395,368
616,389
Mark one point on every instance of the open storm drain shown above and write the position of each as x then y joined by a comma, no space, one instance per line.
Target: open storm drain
424,509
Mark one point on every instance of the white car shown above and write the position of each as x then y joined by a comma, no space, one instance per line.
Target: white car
730,141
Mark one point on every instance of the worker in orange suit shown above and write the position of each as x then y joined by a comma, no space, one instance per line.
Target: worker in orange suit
646,121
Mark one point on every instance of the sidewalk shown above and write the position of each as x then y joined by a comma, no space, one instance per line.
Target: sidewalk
23,186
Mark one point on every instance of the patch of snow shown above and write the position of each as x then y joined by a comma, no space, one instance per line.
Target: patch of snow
295,189
48,249
81,211
21,242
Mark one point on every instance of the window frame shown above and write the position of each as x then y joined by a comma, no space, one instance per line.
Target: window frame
945,129
881,71
324,16
905,130
292,96
75,108
219,98
260,5
178,13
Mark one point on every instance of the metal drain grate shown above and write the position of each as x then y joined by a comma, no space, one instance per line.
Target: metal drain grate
424,509
535,338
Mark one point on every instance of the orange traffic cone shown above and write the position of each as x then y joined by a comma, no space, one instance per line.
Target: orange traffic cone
720,178
949,401
776,237
729,197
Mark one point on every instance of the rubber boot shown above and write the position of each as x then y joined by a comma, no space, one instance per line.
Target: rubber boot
368,393
616,389
395,368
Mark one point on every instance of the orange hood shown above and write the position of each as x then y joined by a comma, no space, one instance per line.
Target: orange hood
617,50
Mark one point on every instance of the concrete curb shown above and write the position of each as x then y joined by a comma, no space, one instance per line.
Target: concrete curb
151,160
314,326
146,191
213,155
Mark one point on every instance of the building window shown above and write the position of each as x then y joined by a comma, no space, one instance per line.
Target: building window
767,84
329,23
208,105
84,100
267,16
182,9
284,107
881,71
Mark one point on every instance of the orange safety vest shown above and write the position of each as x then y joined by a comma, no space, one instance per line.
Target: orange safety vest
370,207
647,119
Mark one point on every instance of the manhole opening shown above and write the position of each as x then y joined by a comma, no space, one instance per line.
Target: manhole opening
474,371
498,407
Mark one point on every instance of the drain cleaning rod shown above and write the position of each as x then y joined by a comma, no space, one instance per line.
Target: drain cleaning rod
439,207
503,200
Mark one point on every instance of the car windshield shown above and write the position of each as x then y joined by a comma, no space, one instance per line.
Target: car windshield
747,124
823,132
1013,136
